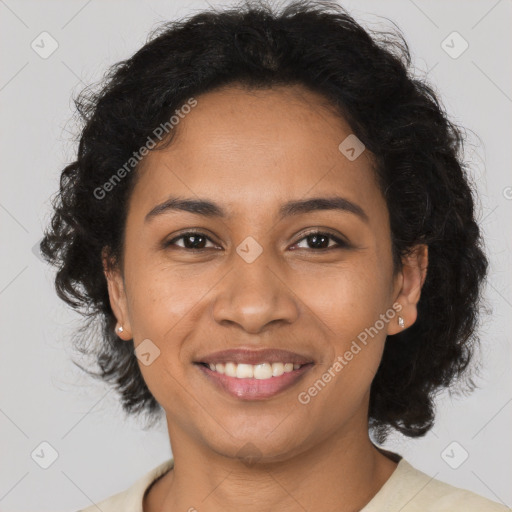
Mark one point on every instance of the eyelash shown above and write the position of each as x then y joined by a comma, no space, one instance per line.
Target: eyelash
341,244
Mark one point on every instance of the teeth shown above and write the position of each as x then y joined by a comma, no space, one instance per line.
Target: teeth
244,371
256,371
277,369
263,371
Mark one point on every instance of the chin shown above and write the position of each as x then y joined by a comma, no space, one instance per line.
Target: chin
258,446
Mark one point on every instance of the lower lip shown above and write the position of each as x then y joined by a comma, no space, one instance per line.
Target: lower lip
255,389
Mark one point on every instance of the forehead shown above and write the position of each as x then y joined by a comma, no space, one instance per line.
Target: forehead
248,146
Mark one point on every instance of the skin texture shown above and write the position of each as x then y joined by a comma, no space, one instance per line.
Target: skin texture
250,152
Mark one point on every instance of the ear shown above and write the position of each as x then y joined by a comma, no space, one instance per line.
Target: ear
117,294
409,282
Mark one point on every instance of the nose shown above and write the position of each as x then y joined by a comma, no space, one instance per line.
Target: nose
254,295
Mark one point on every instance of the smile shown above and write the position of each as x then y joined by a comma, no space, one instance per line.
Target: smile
257,371
253,382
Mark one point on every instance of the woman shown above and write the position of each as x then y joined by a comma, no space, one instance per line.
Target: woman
269,217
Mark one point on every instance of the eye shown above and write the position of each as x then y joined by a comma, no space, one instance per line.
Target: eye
318,240
191,240
321,241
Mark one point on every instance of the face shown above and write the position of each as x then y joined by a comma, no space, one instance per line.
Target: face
259,264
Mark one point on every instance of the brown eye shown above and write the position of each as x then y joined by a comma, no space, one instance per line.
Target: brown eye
321,241
191,241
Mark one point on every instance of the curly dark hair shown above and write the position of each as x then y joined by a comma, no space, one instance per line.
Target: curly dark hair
366,79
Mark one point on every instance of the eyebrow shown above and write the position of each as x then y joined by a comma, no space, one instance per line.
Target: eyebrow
208,208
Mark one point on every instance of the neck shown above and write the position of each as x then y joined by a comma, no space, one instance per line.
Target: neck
344,472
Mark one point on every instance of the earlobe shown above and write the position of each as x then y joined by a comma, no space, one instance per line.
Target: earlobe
117,297
413,275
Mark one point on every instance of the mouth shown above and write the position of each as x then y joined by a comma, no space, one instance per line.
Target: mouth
249,374
253,382
260,371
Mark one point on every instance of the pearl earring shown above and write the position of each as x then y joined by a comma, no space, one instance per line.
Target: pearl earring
119,329
401,322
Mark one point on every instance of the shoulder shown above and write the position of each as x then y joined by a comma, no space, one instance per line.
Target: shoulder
131,499
445,497
411,490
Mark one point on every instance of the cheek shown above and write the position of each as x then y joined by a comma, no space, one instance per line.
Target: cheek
162,301
350,300
346,298
164,308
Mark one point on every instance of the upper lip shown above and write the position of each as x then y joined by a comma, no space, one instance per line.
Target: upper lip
249,356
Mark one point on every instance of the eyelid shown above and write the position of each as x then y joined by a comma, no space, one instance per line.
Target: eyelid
339,239
190,231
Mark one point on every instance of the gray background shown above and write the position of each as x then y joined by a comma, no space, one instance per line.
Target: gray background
45,398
